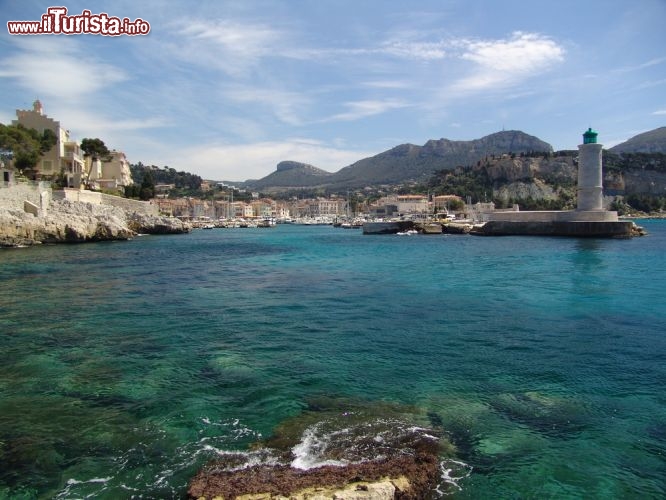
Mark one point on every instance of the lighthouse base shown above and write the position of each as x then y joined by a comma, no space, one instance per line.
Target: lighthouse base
577,229
573,223
554,216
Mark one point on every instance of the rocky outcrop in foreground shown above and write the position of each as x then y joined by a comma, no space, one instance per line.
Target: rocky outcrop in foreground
338,449
73,222
404,477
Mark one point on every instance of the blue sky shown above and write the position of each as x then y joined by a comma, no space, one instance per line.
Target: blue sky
227,89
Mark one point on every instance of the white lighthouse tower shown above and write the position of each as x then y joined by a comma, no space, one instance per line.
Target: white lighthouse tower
588,220
590,187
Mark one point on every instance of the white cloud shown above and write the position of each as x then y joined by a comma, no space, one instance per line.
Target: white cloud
232,47
59,68
638,67
402,49
415,50
501,63
524,52
363,109
387,84
660,112
288,107
249,40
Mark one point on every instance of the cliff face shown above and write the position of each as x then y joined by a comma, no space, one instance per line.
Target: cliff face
643,181
547,178
73,222
508,169
411,162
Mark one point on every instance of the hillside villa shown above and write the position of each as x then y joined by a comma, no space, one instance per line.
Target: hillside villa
67,158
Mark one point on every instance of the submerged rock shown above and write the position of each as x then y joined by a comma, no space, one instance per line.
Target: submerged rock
405,477
335,451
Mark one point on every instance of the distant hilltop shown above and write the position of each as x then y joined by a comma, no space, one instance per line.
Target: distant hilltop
408,162
290,175
403,163
284,166
653,141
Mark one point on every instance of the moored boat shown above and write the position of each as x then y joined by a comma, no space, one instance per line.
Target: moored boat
387,227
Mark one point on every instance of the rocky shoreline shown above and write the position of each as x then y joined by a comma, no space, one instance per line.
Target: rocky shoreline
76,222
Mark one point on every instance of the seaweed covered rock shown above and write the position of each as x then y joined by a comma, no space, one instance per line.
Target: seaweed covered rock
405,477
335,451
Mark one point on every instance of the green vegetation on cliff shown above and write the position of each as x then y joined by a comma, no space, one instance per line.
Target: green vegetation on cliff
623,162
25,145
185,183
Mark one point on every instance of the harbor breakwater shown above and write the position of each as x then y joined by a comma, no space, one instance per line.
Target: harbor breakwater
615,229
578,229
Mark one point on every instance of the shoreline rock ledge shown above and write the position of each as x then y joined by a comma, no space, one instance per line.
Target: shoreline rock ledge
78,222
366,459
408,477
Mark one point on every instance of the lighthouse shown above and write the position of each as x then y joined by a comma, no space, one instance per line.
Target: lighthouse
590,189
588,220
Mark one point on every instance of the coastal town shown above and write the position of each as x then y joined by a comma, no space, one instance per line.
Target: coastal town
67,172
275,250
59,168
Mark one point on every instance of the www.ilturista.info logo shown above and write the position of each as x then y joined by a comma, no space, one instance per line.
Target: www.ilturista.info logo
57,22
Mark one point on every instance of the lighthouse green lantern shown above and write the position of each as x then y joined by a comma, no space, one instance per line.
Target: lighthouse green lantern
590,137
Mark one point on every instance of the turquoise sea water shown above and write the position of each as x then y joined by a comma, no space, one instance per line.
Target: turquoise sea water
124,367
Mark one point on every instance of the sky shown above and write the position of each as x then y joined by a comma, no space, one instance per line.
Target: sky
227,89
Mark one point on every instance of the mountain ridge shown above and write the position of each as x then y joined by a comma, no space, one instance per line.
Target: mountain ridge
412,163
652,141
402,163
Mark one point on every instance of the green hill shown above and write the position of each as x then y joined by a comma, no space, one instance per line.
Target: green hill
291,175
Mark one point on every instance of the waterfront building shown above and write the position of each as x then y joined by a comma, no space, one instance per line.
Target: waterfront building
407,204
327,207
263,208
116,172
443,203
413,204
64,157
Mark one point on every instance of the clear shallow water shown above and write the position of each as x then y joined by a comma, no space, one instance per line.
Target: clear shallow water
124,367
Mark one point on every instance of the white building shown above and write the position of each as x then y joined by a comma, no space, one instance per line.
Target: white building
64,157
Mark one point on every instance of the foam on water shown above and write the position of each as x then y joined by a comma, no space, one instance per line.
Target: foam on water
452,472
311,450
72,485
